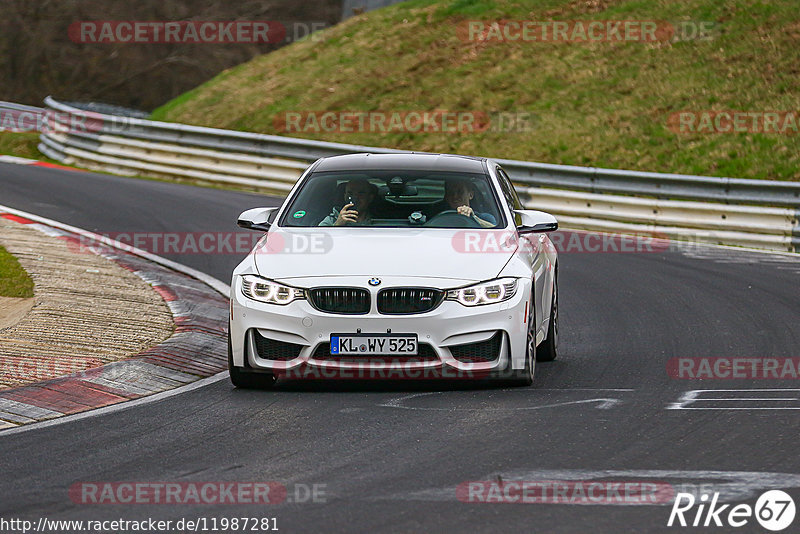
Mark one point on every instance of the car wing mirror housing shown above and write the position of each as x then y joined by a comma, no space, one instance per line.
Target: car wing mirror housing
534,222
256,219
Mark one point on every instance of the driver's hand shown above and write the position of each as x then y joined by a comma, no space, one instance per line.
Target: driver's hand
346,215
465,210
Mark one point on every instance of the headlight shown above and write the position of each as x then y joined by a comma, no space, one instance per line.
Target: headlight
490,292
263,290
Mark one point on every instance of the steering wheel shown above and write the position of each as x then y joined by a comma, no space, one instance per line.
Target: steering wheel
452,219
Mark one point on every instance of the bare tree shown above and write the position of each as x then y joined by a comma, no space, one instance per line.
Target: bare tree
38,57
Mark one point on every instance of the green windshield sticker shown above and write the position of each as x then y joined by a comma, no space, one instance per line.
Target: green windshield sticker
299,214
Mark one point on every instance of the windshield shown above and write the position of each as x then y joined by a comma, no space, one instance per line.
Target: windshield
392,199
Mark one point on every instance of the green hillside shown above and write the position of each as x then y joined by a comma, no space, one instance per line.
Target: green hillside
588,103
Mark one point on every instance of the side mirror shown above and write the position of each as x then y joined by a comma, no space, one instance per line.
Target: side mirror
256,219
535,222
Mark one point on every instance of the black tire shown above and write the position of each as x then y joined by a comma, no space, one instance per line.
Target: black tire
524,377
548,349
242,378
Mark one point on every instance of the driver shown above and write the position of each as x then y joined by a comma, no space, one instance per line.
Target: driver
458,194
355,212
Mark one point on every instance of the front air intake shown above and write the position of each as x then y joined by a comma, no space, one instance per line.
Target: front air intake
408,300
346,300
481,352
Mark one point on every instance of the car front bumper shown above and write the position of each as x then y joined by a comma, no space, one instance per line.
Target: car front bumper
449,325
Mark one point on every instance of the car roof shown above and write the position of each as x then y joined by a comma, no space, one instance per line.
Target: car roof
408,161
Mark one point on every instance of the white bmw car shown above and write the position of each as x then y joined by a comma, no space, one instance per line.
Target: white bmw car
396,266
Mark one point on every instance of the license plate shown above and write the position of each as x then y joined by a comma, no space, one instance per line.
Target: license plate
368,344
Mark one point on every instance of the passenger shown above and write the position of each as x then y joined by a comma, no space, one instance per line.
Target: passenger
355,213
458,194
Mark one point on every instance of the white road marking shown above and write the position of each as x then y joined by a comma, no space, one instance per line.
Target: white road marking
16,160
689,398
732,486
604,403
744,255
752,399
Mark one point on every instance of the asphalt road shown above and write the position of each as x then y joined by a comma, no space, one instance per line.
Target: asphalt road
390,456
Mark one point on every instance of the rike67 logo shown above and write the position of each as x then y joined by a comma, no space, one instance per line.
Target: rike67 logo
774,510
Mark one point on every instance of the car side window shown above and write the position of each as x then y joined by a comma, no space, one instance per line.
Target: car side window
508,190
510,194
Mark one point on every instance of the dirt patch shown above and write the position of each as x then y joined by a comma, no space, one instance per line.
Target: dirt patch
12,310
87,310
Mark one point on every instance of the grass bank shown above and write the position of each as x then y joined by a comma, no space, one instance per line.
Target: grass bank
14,281
589,103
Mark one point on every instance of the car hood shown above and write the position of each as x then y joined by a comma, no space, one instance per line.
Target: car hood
433,253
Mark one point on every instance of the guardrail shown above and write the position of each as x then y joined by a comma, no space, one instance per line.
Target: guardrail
732,211
20,118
